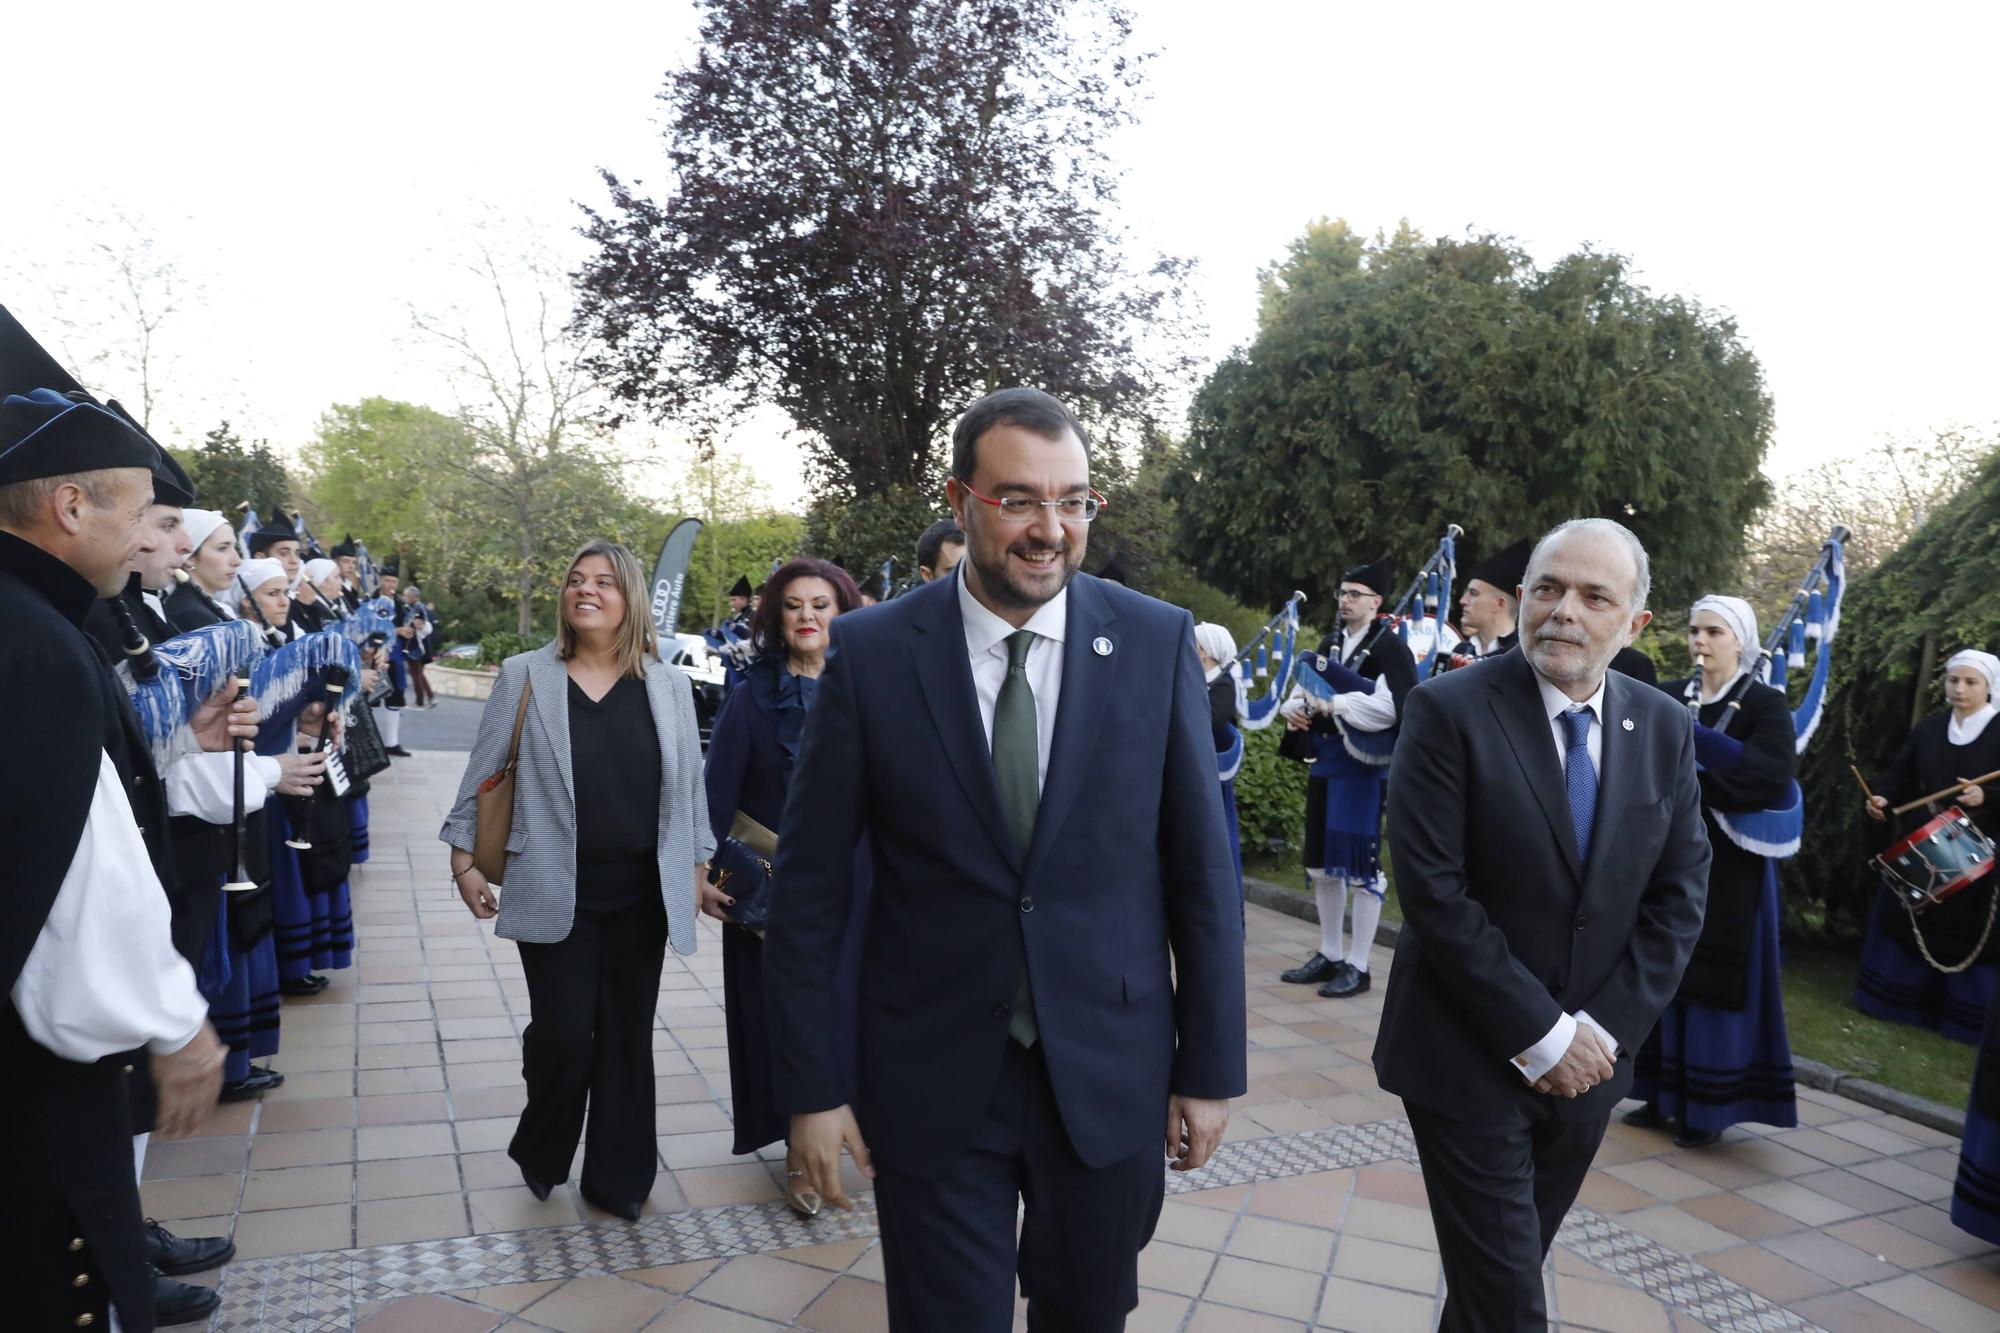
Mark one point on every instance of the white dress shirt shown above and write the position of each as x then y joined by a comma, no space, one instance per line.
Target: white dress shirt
1545,1054
986,644
1371,711
204,785
103,976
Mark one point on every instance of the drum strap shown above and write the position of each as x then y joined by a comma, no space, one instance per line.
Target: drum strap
1917,932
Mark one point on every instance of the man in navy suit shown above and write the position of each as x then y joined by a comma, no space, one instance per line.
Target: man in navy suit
1552,868
1052,963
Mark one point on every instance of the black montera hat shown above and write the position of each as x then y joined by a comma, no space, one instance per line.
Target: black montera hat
742,588
1504,570
270,532
1376,577
45,434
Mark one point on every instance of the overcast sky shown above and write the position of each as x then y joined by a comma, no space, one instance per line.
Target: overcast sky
1827,179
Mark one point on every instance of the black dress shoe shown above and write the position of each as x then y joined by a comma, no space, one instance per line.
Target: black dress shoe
535,1187
1647,1117
175,1255
259,1082
1695,1138
181,1302
396,750
1314,970
628,1211
302,988
1349,980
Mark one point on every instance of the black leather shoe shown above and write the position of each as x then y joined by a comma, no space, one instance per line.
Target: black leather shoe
260,1081
396,750
1694,1138
175,1255
628,1211
1647,1117
1349,980
181,1302
535,1187
1313,971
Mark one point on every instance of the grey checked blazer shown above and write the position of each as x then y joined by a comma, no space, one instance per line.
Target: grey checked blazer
538,901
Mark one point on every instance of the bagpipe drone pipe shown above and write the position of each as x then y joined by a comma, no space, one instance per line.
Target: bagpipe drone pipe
1813,617
1271,655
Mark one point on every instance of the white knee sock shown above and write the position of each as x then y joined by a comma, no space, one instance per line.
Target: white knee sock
392,726
1367,916
139,1156
1330,895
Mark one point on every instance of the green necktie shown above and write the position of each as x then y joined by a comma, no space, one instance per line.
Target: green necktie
1017,767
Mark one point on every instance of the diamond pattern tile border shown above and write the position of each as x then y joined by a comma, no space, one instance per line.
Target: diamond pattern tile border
308,1293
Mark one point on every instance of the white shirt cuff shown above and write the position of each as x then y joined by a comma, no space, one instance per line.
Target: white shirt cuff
1545,1054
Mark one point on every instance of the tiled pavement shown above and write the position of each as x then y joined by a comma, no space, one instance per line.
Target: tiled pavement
373,1189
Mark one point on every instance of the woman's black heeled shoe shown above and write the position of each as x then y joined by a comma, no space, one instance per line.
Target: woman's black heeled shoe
627,1211
535,1187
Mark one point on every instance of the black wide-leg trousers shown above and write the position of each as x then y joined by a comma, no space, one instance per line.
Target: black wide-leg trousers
1499,1190
591,999
948,1242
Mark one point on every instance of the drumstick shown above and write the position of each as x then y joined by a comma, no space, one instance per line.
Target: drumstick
1947,791
1863,781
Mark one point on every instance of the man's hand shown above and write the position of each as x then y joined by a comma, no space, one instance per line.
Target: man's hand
1972,797
1878,808
1584,1065
1194,1129
300,773
816,1140
188,1082
224,718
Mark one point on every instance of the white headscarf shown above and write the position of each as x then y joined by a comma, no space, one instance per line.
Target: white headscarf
200,524
254,574
1741,618
1966,731
1220,645
317,571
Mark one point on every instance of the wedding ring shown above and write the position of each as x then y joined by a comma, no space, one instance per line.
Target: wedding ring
793,1175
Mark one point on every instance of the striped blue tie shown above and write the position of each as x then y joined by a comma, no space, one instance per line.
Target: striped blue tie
1580,778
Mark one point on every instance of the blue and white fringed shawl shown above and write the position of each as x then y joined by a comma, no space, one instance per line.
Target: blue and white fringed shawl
193,666
1230,761
283,682
1775,832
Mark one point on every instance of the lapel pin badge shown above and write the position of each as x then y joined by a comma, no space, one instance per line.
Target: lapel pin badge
1628,724
1101,646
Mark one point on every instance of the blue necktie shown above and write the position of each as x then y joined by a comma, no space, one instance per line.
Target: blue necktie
1580,778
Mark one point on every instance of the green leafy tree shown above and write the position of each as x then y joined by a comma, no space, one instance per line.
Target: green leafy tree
741,533
227,472
861,531
1936,593
1397,385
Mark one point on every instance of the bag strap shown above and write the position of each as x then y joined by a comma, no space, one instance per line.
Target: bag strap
520,716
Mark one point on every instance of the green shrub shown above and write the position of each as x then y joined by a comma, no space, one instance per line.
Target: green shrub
1270,794
497,648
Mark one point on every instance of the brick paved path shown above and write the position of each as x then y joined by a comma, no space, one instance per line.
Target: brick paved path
373,1189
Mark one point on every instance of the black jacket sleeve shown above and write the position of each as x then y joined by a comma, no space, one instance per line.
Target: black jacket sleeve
1770,754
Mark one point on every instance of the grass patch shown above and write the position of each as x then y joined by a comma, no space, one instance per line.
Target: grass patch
1824,1026
1819,1017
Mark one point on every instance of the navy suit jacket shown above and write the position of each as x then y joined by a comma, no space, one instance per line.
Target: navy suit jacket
1129,875
1505,928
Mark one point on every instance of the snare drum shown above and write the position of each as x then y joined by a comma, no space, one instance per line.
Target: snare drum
1942,857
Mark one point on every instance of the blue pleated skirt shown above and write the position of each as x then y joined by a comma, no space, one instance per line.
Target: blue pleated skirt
1898,985
1709,1067
241,987
314,931
357,822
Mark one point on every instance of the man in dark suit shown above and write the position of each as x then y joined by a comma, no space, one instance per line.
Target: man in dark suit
1552,870
1027,751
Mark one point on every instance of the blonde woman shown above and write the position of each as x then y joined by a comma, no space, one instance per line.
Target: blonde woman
610,835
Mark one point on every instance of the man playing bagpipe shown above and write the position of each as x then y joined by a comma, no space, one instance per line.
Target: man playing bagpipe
396,656
347,556
1349,734
1489,608
277,539
94,986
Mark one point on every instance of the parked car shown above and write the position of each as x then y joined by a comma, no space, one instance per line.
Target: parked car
699,663
464,654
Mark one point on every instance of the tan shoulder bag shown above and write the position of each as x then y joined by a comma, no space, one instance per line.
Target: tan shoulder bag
493,809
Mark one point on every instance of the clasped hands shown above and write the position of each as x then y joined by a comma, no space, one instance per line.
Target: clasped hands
1587,1063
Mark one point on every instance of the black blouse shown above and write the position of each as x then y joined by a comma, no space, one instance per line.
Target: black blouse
615,760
